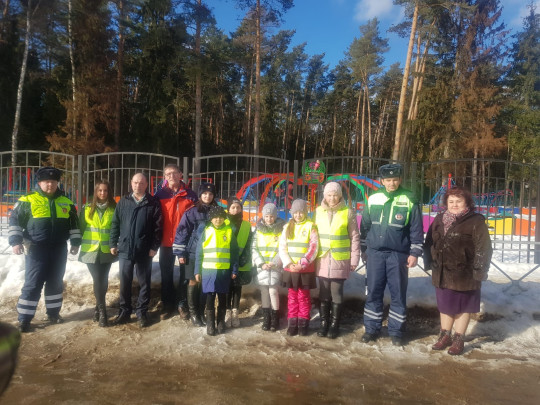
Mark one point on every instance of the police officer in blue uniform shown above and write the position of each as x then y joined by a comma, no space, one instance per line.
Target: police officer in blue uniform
45,219
391,236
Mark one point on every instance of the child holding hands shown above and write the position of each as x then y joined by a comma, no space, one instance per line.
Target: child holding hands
268,263
298,248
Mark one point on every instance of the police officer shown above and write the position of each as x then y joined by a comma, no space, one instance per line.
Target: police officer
46,219
391,238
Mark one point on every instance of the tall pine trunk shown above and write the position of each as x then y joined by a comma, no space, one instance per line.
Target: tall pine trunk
404,83
198,91
17,120
257,112
119,75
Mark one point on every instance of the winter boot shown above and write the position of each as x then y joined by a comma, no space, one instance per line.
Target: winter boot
333,332
193,300
266,319
102,316
274,320
235,320
457,345
324,311
96,314
445,340
210,322
228,318
220,320
292,330
303,326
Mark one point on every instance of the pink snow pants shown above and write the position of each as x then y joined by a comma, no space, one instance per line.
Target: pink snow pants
298,303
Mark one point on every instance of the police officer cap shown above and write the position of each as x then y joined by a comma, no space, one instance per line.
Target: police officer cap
204,187
48,173
390,170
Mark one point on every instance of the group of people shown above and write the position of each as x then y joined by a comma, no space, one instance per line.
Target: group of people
218,253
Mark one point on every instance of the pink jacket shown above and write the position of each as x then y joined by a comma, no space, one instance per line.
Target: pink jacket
327,266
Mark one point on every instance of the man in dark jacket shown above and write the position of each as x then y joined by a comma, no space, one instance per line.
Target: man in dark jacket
135,237
391,237
45,219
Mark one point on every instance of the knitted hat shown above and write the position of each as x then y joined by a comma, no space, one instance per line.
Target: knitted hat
269,209
298,205
48,173
204,187
390,170
233,200
216,212
332,187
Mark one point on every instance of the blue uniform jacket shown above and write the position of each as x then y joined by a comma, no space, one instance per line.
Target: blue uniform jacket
389,234
186,237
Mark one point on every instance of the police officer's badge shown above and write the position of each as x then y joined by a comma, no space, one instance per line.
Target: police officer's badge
399,217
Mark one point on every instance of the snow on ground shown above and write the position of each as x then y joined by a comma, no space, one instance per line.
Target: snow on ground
509,323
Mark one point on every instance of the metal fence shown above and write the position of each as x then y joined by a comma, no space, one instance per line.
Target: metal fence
506,192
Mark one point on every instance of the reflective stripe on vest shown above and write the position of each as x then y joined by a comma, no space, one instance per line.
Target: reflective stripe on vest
298,246
217,248
334,236
41,208
241,239
97,231
268,245
400,210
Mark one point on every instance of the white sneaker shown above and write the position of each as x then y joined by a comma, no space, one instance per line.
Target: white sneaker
228,318
235,320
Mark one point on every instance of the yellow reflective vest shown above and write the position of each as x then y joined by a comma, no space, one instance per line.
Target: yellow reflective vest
241,239
97,230
298,246
334,237
217,247
268,245
40,207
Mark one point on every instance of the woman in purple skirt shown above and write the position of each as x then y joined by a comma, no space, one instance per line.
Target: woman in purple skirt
458,251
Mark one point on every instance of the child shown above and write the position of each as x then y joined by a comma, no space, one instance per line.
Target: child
269,267
216,263
298,247
338,257
242,233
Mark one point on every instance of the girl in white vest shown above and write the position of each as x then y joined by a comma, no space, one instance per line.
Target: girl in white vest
95,222
268,263
298,247
338,256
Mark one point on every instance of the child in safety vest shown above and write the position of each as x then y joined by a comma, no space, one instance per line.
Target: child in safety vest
298,247
242,233
216,263
268,263
338,257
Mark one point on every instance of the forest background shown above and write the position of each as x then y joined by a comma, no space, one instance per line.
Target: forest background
90,76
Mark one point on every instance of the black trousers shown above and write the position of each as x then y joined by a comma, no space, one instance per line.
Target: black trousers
143,271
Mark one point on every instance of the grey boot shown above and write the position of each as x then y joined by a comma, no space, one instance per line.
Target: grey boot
333,332
266,319
324,311
303,326
274,320
292,330
102,316
220,320
210,322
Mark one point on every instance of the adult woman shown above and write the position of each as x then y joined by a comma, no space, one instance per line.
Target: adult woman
458,250
339,255
185,246
95,221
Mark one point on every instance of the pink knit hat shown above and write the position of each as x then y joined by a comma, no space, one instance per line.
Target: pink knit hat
333,187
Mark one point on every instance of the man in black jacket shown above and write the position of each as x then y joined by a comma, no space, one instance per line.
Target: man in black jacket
135,237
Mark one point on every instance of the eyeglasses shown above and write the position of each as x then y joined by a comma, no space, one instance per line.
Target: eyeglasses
170,174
